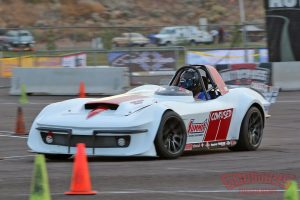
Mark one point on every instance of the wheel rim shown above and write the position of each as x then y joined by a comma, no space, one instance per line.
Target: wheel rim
173,136
255,129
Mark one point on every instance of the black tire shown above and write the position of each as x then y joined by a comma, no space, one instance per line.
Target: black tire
251,131
171,136
57,156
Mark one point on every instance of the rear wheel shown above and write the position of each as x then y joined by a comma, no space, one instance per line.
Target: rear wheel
251,131
57,156
171,136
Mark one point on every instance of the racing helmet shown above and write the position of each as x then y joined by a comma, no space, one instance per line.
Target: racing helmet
190,80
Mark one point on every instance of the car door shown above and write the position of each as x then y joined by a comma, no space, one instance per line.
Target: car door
209,121
179,35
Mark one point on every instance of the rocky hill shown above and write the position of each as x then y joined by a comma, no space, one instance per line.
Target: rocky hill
24,13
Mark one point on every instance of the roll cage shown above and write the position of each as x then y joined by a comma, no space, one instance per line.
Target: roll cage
210,80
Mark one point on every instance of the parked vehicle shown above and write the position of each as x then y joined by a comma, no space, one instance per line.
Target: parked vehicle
182,34
130,39
17,40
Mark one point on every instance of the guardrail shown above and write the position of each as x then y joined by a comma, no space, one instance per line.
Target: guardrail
286,75
102,80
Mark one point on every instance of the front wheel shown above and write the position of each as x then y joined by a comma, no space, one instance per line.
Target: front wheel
171,136
251,131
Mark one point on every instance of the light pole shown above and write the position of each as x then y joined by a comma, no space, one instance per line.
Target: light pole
243,20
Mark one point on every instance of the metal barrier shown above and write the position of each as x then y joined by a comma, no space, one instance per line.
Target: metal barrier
152,77
65,81
286,75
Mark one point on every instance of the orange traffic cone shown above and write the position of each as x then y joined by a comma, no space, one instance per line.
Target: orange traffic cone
20,125
82,90
81,183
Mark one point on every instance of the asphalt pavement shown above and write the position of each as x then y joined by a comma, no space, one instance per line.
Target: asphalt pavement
196,175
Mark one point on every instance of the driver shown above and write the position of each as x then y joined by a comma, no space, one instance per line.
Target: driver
190,80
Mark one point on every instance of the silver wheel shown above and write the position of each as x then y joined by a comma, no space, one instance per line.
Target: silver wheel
255,129
171,136
251,131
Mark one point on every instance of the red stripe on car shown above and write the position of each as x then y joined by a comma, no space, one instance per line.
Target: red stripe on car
96,111
118,99
219,122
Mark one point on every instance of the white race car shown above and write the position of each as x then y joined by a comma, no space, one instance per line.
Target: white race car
154,120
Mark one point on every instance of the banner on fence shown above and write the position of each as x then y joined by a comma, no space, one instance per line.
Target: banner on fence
45,61
74,60
283,27
71,60
6,65
246,73
255,76
226,56
144,60
219,57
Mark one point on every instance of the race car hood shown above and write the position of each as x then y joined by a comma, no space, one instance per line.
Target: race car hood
87,112
124,104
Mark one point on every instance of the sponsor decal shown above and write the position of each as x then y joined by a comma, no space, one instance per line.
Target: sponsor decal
233,142
208,145
222,144
221,115
197,127
219,122
188,147
197,145
140,101
213,144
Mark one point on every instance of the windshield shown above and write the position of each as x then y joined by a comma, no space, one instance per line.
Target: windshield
167,31
173,91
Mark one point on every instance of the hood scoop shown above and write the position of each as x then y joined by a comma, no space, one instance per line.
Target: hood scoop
112,102
97,105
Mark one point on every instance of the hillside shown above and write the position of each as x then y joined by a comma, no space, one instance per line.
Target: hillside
24,13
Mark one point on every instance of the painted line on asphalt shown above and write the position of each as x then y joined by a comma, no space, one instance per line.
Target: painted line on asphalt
288,101
7,132
180,192
13,136
177,192
30,103
189,191
15,157
193,169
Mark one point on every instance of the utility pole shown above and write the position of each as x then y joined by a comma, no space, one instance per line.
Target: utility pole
243,20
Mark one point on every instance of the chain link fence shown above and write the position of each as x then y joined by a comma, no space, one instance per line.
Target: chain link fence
98,42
